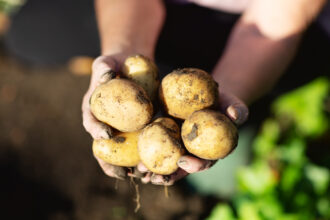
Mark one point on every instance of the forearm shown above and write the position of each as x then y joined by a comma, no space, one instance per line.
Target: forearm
129,26
262,45
252,62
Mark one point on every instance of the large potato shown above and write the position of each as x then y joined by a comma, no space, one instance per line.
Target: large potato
144,72
120,150
209,134
184,91
159,146
121,104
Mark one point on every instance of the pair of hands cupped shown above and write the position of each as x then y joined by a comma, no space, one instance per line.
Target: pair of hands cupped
230,105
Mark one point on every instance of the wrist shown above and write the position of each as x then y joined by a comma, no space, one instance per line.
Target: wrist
229,84
120,53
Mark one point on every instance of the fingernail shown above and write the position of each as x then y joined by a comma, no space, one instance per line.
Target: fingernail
107,76
142,168
156,179
233,113
182,163
145,180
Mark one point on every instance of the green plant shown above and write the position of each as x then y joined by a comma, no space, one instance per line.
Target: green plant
282,183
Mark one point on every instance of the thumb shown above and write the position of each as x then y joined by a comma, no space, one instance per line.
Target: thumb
104,68
233,107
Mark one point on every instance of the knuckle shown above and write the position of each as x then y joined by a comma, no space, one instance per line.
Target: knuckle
97,61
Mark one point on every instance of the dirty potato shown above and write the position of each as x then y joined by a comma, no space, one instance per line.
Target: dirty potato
144,72
121,150
159,146
209,134
184,91
122,104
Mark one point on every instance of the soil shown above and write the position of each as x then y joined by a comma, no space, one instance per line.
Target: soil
46,157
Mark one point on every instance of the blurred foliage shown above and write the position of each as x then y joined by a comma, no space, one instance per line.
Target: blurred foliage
10,6
281,182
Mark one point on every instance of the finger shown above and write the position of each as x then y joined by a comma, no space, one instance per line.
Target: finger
104,68
142,168
238,113
111,170
146,178
106,76
134,172
103,64
95,128
193,164
234,108
168,180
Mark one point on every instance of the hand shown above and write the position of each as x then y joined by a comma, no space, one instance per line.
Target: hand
230,105
102,70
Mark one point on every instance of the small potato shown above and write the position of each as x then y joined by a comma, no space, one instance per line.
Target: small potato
120,150
184,91
144,72
121,104
159,146
209,134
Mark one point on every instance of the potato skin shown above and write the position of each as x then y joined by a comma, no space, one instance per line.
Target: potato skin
159,146
121,104
184,91
142,71
170,125
209,134
120,150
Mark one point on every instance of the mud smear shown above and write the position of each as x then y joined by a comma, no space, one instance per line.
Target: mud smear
119,139
142,98
193,133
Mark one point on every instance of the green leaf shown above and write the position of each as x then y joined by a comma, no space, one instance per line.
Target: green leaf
248,210
289,216
221,212
257,179
305,107
270,207
301,199
11,6
319,177
265,142
323,207
293,151
291,175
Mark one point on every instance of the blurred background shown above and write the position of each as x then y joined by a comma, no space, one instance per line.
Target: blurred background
280,169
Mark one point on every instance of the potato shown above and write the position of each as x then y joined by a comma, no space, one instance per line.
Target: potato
120,150
144,72
121,104
159,146
209,134
184,91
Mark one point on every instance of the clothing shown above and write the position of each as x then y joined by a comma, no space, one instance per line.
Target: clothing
229,6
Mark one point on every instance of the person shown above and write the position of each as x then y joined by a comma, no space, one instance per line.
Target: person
260,47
